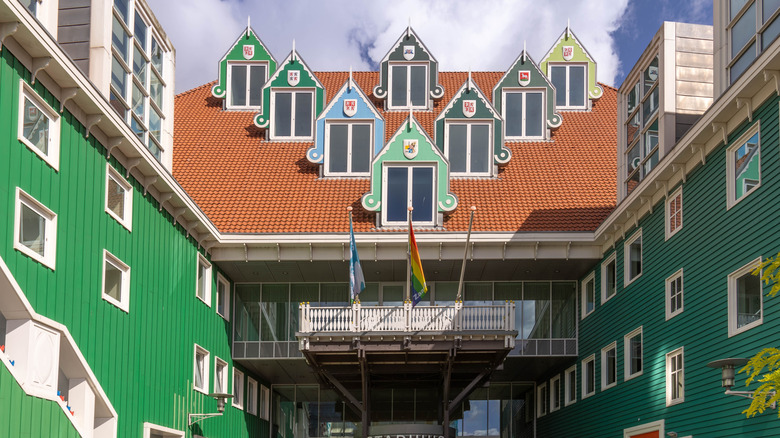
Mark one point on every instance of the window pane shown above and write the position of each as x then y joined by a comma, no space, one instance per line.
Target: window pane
632,128
156,90
746,162
590,296
564,306
398,86
238,85
274,312
611,366
337,156
635,346
611,278
650,75
118,106
480,148
650,106
422,194
361,147
283,114
632,99
577,85
137,128
256,82
635,258
536,310
417,92
32,230
748,299
199,363
139,65
651,138
533,114
397,192
558,79
139,106
119,39
118,77
157,56
113,286
123,7
457,147
155,123
768,7
116,198
35,126
32,6
770,34
514,114
743,30
742,63
140,30
590,383
303,112
632,157
221,294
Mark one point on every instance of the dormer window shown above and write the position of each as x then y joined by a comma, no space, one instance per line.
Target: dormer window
524,114
349,148
246,81
408,86
293,114
405,186
571,83
468,148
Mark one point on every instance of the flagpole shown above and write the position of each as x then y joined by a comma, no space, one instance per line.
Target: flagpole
409,257
465,252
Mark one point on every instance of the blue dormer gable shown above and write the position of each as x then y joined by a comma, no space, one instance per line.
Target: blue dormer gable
349,133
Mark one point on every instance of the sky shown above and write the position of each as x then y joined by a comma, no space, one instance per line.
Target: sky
481,35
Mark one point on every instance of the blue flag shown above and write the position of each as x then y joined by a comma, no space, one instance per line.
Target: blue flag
356,280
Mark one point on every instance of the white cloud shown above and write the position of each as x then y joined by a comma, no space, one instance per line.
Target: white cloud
334,35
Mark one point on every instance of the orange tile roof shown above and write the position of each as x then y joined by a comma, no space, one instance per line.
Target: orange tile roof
245,184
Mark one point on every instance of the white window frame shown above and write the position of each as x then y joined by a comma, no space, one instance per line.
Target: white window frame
555,396
228,96
669,378
543,117
569,385
434,189
583,295
542,400
166,432
605,364
627,258
669,214
584,368
251,396
217,364
50,229
584,86
350,123
732,289
52,158
469,125
221,280
667,295
731,188
124,302
265,403
238,399
127,220
206,360
200,260
627,375
294,91
408,105
604,269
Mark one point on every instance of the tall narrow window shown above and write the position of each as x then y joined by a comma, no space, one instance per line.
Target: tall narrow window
203,280
570,82
745,299
238,389
524,114
589,376
246,81
675,378
220,376
674,213
632,347
555,393
570,385
467,146
251,396
265,403
406,186
116,281
674,294
408,86
293,114
609,366
39,126
349,148
744,166
119,197
632,251
608,278
542,400
200,377
35,228
588,295
223,297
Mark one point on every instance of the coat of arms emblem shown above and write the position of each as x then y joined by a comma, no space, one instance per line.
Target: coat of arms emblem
408,53
249,51
469,108
524,77
350,107
293,77
568,52
410,148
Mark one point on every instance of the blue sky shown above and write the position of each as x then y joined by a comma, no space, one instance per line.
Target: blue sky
462,34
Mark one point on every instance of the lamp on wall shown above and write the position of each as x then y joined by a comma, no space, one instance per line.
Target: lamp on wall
221,399
727,367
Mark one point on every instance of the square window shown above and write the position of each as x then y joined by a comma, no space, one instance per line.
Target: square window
220,376
467,147
251,396
674,294
39,126
588,295
116,281
589,376
405,186
119,197
632,252
35,228
246,81
524,114
675,378
349,148
555,393
570,82
632,348
542,397
674,213
223,297
238,389
570,385
609,366
408,86
293,114
200,377
745,299
265,403
608,278
203,280
744,166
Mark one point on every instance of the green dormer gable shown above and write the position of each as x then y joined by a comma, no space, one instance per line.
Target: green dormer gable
524,76
247,50
408,74
569,50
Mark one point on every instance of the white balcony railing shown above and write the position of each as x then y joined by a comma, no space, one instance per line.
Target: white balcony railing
406,318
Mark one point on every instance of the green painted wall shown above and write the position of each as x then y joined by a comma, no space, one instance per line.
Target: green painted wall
713,243
279,80
236,53
143,359
538,80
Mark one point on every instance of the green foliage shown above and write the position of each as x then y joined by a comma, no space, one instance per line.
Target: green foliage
769,271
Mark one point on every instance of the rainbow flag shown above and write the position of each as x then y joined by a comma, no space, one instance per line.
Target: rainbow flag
419,288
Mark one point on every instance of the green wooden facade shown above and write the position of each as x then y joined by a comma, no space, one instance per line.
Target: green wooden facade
143,358
247,48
